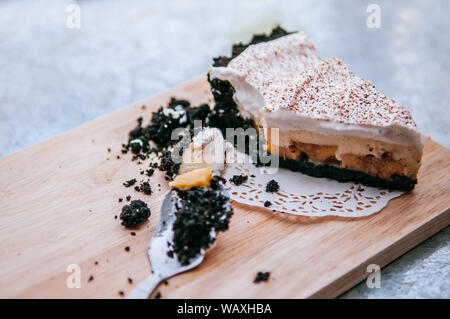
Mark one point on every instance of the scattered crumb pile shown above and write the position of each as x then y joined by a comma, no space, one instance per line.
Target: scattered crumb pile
156,138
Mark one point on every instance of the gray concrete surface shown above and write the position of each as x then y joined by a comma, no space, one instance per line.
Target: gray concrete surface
53,78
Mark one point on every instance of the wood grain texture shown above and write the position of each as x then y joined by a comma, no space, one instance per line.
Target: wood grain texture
58,200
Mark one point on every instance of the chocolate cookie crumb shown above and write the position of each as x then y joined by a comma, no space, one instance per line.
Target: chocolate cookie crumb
91,278
120,200
134,214
267,203
127,248
130,182
133,233
130,281
145,188
121,293
158,295
272,186
238,179
128,198
96,263
168,165
261,276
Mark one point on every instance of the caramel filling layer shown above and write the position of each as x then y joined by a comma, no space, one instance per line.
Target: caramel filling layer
369,156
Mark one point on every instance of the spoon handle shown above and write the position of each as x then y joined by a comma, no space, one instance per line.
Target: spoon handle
146,287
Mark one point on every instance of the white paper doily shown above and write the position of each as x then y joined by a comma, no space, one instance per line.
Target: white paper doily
300,194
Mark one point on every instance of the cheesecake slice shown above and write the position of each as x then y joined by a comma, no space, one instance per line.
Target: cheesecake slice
329,122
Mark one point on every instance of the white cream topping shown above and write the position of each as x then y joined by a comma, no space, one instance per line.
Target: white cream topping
208,148
264,74
177,113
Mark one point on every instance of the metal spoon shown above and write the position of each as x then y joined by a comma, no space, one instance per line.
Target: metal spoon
164,266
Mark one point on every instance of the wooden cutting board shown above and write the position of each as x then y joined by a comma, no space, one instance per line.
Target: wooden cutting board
58,200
